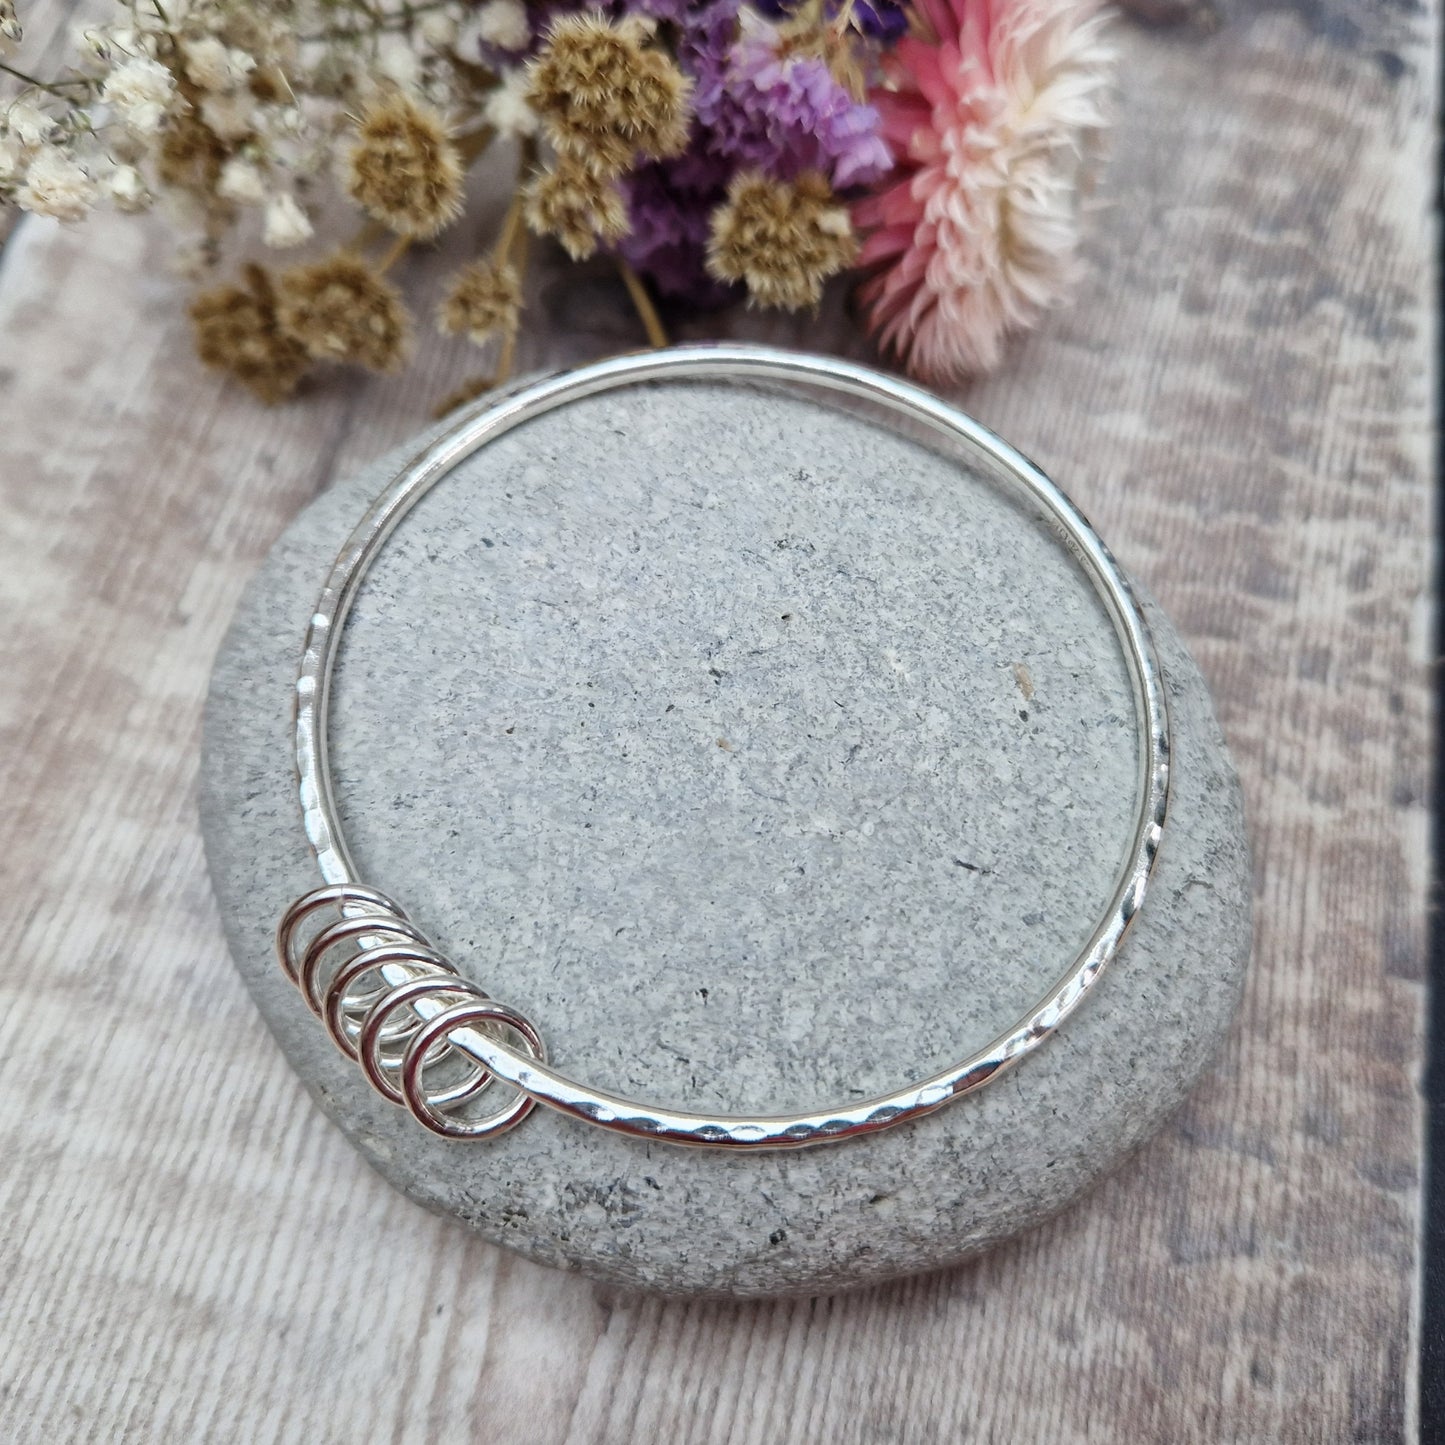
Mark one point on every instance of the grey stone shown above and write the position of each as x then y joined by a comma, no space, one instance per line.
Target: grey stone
766,759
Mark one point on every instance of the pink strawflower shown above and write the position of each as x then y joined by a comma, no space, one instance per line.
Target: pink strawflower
975,231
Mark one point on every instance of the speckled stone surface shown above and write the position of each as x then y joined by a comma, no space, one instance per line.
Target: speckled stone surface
765,759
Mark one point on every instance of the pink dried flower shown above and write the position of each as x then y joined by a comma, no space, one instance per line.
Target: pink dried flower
975,232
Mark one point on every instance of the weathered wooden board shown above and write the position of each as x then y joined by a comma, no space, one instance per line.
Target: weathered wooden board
1241,401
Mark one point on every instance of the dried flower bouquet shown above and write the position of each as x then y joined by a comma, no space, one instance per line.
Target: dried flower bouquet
933,149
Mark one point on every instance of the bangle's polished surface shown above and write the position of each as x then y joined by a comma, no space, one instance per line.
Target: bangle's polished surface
447,1027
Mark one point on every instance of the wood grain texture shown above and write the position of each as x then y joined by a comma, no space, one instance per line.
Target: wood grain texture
1241,402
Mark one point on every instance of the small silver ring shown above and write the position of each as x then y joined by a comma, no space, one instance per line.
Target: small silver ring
348,930
336,895
424,1107
368,1042
422,961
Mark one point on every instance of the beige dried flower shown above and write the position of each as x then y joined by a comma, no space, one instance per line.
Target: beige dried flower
781,239
237,332
577,206
485,300
404,169
342,309
605,95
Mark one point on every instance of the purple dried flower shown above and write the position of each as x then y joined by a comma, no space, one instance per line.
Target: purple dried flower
786,114
882,20
885,21
673,10
670,205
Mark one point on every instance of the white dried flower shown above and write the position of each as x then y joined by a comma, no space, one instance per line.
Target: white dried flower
56,186
28,123
397,61
437,29
241,181
140,90
286,223
127,190
91,40
10,32
507,109
286,120
12,158
124,40
503,23
215,66
231,115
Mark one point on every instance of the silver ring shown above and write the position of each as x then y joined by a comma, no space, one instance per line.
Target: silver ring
407,995
340,1001
342,896
425,1107
529,1073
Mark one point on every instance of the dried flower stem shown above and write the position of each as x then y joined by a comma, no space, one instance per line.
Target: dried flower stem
51,87
517,243
508,233
393,253
642,302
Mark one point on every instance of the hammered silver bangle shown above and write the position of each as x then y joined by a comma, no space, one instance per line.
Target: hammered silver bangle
432,1041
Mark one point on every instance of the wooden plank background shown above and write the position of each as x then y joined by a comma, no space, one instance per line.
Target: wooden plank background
1241,400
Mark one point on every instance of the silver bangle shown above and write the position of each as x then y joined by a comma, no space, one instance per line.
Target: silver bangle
433,1041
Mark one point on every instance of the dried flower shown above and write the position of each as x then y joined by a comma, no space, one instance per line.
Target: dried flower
27,123
286,224
127,190
604,95
10,32
191,154
141,90
437,28
507,109
213,65
977,234
485,300
396,62
342,309
669,211
577,206
237,332
55,185
242,181
231,115
705,143
13,156
782,239
503,24
786,112
404,169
